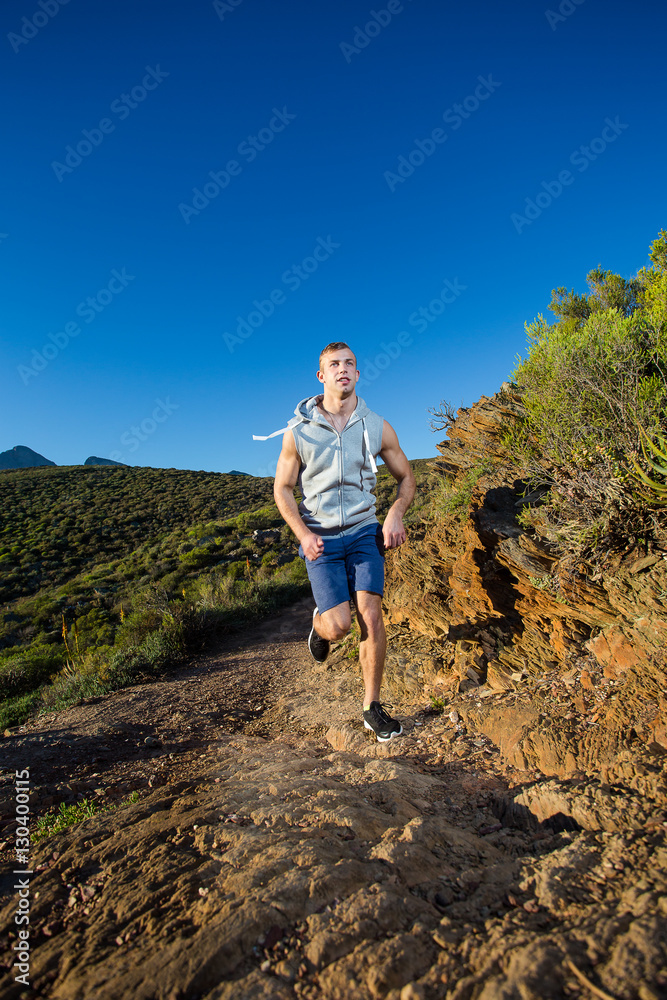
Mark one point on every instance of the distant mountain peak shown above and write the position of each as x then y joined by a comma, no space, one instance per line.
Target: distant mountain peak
20,457
93,460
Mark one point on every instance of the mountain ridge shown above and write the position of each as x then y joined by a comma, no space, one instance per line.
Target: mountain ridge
22,457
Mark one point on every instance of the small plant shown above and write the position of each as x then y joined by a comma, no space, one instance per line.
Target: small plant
77,812
437,704
66,816
442,416
656,492
352,641
541,582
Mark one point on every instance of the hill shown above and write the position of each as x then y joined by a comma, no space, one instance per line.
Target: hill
21,457
94,460
94,558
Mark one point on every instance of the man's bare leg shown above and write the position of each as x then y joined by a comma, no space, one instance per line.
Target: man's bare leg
373,643
334,623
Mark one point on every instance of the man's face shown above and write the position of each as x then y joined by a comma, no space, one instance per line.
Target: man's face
339,372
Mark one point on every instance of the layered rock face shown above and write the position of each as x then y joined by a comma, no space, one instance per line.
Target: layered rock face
502,615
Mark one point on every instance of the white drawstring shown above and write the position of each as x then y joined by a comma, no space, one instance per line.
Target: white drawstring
368,446
265,437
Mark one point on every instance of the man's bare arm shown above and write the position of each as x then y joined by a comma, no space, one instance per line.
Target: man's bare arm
287,473
396,461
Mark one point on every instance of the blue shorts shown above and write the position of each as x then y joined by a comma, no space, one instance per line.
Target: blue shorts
350,562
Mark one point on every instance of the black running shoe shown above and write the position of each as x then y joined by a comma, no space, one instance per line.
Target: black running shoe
382,724
319,647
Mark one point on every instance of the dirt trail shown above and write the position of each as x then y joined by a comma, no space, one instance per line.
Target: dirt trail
277,850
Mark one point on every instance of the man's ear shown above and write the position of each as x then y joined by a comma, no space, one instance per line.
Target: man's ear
320,376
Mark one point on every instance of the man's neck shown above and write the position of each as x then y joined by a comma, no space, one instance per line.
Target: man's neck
339,406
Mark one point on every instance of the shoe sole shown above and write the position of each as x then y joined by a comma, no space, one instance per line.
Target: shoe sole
383,739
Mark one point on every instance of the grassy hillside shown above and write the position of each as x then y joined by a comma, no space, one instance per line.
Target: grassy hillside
111,574
59,521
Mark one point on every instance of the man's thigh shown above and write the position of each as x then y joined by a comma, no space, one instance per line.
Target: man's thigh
364,558
328,577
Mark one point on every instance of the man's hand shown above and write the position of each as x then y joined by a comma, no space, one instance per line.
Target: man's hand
312,546
393,531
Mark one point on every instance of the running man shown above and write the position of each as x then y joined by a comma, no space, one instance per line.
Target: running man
329,449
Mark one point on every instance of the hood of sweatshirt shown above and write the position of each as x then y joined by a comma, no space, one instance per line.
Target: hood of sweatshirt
307,410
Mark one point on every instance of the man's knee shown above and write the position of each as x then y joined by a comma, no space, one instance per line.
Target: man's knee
337,623
370,617
338,631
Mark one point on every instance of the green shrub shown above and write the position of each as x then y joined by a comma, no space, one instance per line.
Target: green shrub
236,570
26,671
266,517
14,711
590,385
66,816
593,384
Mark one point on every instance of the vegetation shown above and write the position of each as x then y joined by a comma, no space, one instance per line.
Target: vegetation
655,456
69,815
451,498
112,575
594,388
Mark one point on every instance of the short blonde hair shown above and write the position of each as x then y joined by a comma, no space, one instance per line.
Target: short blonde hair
337,345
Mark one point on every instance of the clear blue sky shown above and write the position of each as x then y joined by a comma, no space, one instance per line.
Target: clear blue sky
316,119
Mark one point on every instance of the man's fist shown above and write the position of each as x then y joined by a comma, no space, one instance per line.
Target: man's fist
312,546
393,531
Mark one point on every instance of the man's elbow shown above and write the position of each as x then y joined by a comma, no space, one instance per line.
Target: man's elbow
282,490
407,485
278,491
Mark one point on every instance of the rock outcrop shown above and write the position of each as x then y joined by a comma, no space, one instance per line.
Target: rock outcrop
503,615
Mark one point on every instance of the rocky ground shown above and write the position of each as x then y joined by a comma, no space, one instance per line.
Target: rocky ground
277,850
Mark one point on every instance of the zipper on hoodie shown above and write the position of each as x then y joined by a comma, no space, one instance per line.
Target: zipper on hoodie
340,480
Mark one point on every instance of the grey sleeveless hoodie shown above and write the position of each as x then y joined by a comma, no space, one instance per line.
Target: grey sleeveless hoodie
337,469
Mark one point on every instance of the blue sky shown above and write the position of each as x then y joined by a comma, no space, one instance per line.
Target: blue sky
198,196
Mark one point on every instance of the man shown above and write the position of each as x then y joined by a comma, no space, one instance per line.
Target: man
329,448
